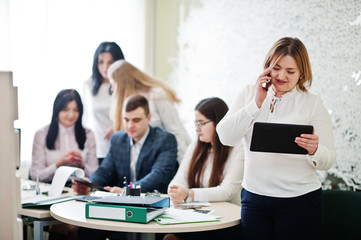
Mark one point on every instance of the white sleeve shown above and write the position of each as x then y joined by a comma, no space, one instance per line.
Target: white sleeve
238,120
87,106
91,160
231,184
325,155
39,162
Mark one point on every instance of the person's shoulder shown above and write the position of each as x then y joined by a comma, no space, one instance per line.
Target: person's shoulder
157,93
159,131
87,86
310,96
41,133
247,90
88,81
157,90
43,130
159,134
118,136
88,131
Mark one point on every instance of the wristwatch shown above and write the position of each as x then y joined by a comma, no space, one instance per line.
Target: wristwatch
189,196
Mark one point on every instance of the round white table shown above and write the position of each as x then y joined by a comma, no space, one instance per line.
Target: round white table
73,212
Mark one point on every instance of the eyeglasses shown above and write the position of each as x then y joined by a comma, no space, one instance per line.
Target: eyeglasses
200,124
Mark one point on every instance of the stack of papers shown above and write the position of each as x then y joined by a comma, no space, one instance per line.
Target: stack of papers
41,200
177,216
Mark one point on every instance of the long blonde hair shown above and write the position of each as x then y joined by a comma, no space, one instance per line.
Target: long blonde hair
127,80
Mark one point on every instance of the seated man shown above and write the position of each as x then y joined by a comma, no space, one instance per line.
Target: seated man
142,154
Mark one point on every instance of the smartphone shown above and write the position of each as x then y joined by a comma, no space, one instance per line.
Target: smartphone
89,184
267,85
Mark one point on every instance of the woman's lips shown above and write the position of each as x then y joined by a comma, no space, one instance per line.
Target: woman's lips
280,82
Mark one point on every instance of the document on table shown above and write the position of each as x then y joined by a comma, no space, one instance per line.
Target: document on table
62,174
177,216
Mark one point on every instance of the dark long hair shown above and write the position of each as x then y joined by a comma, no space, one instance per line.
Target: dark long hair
61,101
117,54
214,109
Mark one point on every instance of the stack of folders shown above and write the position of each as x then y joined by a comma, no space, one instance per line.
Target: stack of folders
127,208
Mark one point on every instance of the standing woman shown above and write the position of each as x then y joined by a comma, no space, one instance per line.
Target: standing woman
127,80
97,96
282,195
64,142
210,171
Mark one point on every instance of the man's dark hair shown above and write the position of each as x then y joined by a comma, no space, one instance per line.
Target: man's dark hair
135,101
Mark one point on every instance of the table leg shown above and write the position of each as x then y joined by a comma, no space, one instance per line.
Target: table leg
39,227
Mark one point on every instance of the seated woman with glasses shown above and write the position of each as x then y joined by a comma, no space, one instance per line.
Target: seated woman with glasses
210,171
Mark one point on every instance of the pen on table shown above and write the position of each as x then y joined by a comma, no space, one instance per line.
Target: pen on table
37,188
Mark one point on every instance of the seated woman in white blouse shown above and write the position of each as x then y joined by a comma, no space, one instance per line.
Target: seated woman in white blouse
210,171
64,142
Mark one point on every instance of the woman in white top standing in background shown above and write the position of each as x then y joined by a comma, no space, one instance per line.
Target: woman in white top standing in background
210,171
64,142
127,80
281,195
97,96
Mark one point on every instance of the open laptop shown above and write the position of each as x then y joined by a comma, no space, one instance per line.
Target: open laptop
278,137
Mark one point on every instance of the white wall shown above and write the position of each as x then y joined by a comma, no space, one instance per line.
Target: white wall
222,45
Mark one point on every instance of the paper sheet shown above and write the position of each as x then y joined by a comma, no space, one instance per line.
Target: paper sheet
61,176
176,216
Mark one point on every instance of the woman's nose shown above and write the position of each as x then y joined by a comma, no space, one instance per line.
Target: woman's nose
72,113
281,75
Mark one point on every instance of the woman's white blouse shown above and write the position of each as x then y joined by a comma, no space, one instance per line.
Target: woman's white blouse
97,114
165,116
230,188
273,174
44,160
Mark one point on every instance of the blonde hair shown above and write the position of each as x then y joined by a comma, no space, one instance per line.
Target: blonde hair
127,80
296,49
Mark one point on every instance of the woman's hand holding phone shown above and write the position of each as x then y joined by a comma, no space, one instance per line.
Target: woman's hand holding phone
262,84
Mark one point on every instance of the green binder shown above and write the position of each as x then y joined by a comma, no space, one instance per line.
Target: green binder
121,213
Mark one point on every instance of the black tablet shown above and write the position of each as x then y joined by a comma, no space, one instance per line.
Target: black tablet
89,184
278,137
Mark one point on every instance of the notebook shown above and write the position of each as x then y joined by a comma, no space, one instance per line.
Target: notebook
278,137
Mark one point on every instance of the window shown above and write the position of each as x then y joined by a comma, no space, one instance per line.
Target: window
52,45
